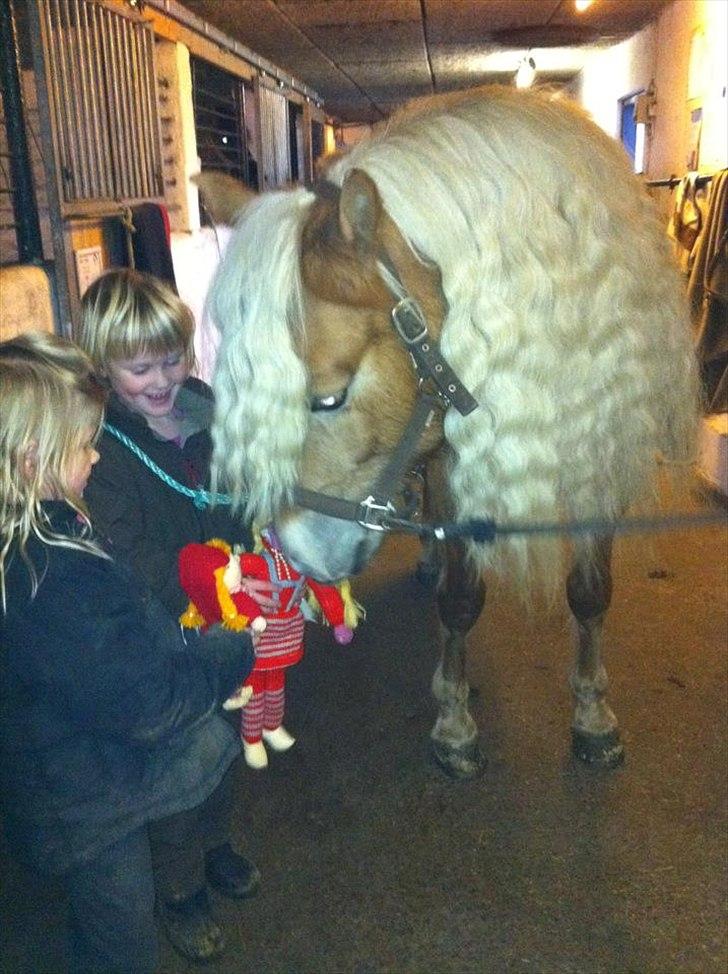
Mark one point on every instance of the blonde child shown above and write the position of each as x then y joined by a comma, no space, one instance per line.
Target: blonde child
110,725
148,493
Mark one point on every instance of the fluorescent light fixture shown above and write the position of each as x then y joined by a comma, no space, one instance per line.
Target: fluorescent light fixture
559,60
526,72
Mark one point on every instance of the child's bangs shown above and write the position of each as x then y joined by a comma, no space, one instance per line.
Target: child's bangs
157,336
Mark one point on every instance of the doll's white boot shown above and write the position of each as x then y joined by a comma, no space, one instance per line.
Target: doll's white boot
255,756
279,739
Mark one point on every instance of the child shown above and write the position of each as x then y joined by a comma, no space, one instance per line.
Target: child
148,493
109,723
144,494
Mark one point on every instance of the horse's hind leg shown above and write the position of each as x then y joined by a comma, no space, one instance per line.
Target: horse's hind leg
595,734
460,598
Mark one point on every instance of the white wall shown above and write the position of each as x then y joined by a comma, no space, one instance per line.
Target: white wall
677,97
617,72
661,54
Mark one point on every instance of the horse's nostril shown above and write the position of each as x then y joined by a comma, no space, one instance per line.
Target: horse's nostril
361,555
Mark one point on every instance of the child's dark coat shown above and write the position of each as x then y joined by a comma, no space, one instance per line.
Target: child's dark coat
107,719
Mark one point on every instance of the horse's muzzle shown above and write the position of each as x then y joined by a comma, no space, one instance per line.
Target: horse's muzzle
326,548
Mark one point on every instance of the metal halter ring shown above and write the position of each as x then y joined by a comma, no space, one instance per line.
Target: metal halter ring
409,321
373,514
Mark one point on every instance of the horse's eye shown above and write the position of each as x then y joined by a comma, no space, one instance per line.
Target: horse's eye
321,404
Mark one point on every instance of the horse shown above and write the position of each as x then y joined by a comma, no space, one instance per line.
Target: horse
499,239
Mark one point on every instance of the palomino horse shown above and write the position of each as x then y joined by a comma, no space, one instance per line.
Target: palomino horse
498,239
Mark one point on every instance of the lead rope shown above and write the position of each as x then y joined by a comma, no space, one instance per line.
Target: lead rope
200,498
483,531
486,531
128,224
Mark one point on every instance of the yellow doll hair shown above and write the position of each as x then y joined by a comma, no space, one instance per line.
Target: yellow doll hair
353,610
230,618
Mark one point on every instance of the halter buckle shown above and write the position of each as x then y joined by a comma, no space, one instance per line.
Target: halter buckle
374,513
409,321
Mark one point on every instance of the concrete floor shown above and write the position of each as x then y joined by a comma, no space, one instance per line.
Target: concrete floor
373,861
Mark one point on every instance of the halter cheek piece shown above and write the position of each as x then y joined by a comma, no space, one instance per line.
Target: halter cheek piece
438,387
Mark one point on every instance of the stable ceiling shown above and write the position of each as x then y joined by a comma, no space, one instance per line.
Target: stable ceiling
365,57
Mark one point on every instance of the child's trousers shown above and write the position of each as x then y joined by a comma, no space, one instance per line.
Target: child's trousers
111,911
111,898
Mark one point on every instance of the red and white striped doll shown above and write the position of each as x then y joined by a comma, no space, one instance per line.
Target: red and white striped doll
214,580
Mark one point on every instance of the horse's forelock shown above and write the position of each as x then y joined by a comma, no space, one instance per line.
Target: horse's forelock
260,381
331,266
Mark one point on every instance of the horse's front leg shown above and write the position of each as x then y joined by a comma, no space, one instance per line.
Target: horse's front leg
595,734
460,598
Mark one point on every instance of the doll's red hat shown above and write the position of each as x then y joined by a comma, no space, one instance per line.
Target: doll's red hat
197,566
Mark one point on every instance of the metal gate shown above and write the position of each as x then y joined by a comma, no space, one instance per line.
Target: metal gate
102,101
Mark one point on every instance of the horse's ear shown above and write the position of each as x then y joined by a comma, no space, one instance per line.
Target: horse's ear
360,209
224,197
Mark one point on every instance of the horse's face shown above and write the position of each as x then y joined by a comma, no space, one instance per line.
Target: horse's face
313,386
361,384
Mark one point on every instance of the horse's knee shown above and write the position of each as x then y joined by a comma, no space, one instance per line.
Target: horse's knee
589,584
459,607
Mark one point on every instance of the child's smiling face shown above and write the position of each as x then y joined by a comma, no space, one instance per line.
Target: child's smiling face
148,384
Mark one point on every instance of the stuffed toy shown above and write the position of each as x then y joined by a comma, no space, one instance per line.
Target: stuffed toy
213,578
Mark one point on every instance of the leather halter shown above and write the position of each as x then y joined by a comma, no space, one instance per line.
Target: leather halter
438,387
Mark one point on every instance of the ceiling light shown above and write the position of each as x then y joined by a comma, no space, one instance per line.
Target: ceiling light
581,5
526,72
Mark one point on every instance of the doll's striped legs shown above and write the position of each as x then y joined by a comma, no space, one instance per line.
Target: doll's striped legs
262,717
264,711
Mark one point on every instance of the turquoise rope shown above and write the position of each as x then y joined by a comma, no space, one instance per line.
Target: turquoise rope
199,497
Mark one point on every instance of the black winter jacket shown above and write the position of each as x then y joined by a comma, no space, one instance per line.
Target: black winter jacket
108,719
147,521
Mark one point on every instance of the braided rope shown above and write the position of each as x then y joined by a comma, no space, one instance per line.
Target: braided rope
200,498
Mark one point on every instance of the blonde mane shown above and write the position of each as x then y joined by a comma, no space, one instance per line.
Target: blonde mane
260,380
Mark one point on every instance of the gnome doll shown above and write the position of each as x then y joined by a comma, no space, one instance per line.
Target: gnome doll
213,578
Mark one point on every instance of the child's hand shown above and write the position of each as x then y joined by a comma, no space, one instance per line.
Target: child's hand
261,591
343,635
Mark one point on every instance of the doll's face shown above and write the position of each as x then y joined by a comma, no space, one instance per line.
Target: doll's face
148,384
232,577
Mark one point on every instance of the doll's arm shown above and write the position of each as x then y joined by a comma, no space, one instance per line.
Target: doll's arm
332,606
257,583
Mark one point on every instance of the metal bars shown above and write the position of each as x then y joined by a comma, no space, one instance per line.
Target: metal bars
100,62
219,106
275,137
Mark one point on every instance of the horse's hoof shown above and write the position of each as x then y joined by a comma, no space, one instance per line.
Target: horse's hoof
598,750
461,763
